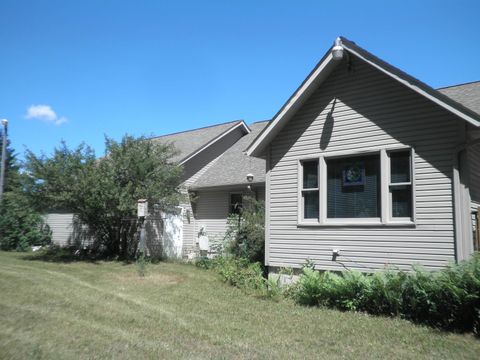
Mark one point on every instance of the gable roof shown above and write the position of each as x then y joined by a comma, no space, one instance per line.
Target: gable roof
466,94
232,167
323,69
191,142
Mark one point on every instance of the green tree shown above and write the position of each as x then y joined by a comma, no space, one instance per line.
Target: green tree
20,225
12,168
104,192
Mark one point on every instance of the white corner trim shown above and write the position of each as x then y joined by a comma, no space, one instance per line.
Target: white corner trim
240,124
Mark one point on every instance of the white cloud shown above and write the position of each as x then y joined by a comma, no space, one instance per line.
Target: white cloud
45,113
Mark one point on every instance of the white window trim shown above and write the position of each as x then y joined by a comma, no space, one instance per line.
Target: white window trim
386,218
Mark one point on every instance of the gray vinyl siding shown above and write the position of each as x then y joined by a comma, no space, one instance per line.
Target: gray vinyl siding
211,213
371,111
212,210
66,230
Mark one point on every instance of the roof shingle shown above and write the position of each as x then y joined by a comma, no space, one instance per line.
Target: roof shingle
233,166
190,141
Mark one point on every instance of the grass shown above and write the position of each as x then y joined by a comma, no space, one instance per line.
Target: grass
85,310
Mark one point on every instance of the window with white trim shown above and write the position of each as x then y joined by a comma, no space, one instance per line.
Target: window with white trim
369,188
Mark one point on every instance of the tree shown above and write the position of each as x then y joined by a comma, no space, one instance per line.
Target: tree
103,193
20,225
12,174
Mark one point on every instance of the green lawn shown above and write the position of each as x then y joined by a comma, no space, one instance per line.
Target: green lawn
104,310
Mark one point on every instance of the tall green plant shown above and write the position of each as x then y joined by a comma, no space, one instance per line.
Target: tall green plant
246,231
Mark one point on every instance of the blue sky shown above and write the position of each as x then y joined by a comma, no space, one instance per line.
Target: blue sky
91,68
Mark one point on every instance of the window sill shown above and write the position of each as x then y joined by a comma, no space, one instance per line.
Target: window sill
378,224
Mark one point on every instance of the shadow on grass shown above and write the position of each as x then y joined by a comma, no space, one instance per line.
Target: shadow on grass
63,255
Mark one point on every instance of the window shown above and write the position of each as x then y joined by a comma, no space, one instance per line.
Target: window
375,188
353,187
236,203
310,190
400,184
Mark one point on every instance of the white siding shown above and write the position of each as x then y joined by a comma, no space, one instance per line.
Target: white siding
368,110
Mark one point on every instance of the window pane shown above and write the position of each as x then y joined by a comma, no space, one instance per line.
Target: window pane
400,167
310,174
236,203
310,207
401,201
353,187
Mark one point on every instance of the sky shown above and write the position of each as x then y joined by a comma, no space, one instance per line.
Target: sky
81,70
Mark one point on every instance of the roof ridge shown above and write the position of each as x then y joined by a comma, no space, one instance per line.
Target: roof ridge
260,121
200,128
461,84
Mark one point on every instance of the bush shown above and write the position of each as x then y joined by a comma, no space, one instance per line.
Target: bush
243,274
20,226
448,299
246,232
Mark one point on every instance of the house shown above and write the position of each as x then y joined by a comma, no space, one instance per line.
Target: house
214,183
368,167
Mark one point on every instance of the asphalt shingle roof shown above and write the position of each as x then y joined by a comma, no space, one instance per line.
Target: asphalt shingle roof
190,141
233,166
466,94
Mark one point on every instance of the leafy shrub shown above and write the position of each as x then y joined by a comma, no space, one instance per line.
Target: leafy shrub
449,299
245,235
20,226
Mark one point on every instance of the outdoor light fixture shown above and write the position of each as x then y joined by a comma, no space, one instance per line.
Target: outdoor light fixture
337,51
249,177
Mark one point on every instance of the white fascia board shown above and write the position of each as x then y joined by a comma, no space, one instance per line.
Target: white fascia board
240,124
319,74
417,89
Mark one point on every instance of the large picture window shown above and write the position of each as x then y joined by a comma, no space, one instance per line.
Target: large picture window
348,188
353,187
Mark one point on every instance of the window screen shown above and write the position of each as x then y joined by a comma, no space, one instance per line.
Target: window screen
353,187
400,184
310,190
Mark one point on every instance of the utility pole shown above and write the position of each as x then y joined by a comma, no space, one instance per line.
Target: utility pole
4,156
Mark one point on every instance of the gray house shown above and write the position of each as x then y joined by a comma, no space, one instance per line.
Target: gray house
214,182
367,167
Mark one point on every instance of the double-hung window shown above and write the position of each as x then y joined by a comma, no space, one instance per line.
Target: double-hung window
310,190
368,188
400,186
